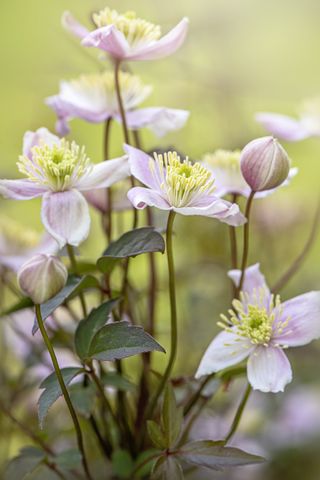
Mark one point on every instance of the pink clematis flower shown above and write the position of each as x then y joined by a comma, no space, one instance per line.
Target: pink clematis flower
225,168
93,98
127,37
291,129
18,244
181,186
58,171
260,327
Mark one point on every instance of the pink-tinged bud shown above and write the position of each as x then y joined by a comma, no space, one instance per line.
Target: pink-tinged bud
42,277
264,164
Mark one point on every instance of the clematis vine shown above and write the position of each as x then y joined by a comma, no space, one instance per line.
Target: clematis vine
59,171
260,327
225,167
126,36
93,98
19,243
292,129
181,186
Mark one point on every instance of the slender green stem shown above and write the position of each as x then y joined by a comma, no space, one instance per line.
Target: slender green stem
104,398
197,394
301,257
238,414
74,267
233,240
120,102
246,237
108,216
64,390
174,323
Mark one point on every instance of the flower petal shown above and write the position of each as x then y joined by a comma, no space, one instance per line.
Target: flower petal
21,189
99,200
141,197
71,24
65,216
215,208
253,280
105,174
65,109
140,167
269,369
283,127
42,135
225,350
303,313
108,39
167,45
159,120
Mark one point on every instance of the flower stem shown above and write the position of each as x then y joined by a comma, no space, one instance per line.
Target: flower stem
238,414
64,390
74,267
108,217
174,323
245,241
120,102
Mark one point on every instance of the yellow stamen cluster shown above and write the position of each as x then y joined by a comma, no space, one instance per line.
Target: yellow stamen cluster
100,89
135,30
256,320
182,181
224,159
14,237
57,166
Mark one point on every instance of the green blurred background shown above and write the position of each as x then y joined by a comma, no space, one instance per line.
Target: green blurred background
240,57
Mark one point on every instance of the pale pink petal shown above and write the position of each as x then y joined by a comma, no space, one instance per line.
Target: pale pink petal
108,39
283,127
254,280
303,315
42,135
159,120
142,197
220,209
99,200
269,369
225,350
140,167
21,189
167,45
66,110
71,24
65,216
105,174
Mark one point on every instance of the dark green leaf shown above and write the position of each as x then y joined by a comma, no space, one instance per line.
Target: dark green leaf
114,379
52,390
120,340
156,435
122,464
74,286
88,327
171,418
167,468
24,464
83,398
68,460
211,454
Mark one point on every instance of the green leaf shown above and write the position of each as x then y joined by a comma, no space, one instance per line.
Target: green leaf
211,454
114,379
141,458
74,286
133,243
88,327
167,468
24,464
68,460
83,398
120,340
52,390
122,464
171,418
156,435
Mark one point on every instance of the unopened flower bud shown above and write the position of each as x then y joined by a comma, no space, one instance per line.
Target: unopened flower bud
42,277
264,164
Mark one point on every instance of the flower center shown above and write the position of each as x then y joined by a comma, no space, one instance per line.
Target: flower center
99,90
224,159
15,238
58,167
135,30
182,181
258,321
